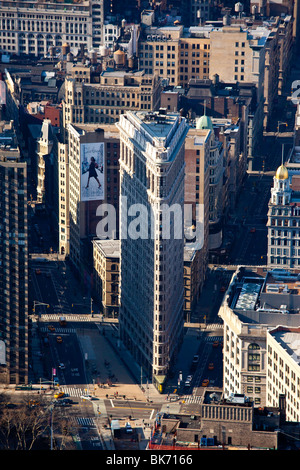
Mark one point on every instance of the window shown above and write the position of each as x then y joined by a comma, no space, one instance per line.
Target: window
253,357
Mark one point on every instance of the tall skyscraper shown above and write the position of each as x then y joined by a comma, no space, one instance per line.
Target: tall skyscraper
13,261
151,182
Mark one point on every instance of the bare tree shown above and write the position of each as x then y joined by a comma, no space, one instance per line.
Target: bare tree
20,428
34,422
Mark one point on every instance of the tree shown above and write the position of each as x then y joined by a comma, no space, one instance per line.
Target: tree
21,427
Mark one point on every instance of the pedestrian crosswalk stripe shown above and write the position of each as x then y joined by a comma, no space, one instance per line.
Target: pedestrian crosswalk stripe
59,330
73,391
69,317
213,338
189,399
86,422
91,422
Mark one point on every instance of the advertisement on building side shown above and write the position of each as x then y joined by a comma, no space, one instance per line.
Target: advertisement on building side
92,171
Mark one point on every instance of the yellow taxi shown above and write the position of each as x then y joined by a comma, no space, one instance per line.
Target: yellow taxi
59,395
59,339
205,383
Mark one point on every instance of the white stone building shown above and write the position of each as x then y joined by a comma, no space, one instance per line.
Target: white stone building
284,221
152,175
36,27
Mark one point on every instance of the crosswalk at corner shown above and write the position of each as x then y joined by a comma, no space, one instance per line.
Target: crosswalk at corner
211,339
49,317
73,391
44,329
191,399
83,422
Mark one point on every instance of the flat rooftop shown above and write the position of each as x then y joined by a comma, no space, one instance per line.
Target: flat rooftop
289,339
110,130
282,282
157,125
263,295
248,293
109,248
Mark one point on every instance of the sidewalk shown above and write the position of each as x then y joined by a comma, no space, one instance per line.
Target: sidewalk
115,365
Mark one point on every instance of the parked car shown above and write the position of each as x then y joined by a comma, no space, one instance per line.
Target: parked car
188,380
61,366
86,397
11,405
68,401
128,428
195,361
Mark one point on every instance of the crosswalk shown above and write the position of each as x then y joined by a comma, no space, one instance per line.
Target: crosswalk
211,339
192,399
44,329
69,317
214,326
83,422
73,391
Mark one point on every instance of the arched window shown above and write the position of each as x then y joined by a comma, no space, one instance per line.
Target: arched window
253,357
253,346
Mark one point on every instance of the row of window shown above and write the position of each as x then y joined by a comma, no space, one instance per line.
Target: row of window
285,222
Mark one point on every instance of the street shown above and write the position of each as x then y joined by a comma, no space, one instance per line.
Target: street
85,354
119,408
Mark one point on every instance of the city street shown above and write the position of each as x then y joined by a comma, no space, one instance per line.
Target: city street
249,222
118,408
87,358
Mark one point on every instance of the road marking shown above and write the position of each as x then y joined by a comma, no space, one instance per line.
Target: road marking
153,411
72,391
112,404
89,422
132,408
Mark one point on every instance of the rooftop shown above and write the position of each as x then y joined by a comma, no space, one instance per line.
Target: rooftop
265,297
109,248
247,293
9,149
280,281
289,339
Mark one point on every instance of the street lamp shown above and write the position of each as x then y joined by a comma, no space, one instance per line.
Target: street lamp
37,303
279,124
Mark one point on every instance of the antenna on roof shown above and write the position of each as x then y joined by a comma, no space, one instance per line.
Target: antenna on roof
282,153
